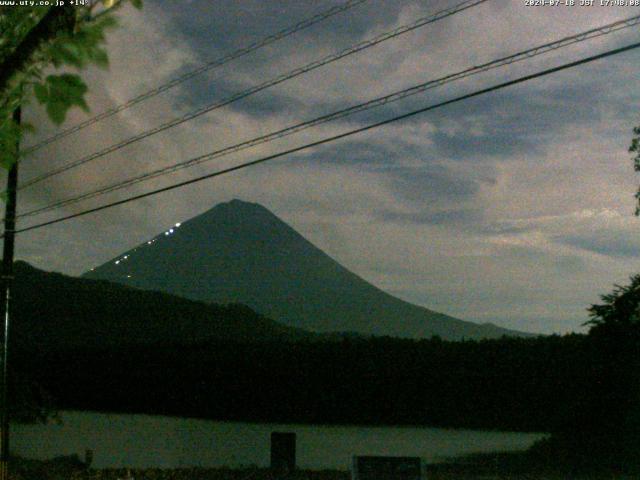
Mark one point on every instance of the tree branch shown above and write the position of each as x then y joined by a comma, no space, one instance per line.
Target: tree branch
57,20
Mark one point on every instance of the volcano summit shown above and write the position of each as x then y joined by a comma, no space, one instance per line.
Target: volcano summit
239,252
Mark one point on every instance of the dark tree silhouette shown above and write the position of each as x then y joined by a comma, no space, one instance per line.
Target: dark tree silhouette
602,431
615,339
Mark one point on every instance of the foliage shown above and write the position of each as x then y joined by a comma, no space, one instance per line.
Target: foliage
33,39
10,133
615,336
60,92
77,43
620,308
603,430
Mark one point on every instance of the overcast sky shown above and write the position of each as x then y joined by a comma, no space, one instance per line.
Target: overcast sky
515,207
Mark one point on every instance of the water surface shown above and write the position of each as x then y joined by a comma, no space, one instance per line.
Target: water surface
143,441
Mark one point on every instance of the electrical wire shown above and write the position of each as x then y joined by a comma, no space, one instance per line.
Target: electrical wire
218,62
258,88
393,97
336,137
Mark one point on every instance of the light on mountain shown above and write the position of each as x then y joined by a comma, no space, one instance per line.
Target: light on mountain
240,227
117,262
178,224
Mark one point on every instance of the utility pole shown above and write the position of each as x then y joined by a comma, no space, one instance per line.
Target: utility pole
7,281
56,21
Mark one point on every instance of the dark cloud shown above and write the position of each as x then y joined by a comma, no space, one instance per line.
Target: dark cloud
226,25
444,217
373,154
503,124
263,105
426,183
430,184
503,228
465,144
516,122
611,243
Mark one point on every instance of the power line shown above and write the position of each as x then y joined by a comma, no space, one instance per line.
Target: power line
258,88
337,137
393,97
302,25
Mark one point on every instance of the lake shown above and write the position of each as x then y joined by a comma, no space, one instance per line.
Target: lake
144,441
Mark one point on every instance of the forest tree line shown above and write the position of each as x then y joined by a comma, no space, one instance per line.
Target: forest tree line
514,384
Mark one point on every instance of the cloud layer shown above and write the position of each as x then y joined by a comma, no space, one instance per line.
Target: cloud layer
514,207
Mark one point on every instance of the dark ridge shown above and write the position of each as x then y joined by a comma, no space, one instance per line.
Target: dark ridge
52,310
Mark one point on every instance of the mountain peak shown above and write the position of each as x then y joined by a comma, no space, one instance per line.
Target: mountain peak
236,211
241,207
240,252
237,204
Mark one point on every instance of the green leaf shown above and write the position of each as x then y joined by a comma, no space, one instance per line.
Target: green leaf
67,88
83,105
42,94
61,92
8,158
105,22
71,54
57,112
57,93
100,58
9,138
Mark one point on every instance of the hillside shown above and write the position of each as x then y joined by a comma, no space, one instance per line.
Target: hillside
239,252
56,311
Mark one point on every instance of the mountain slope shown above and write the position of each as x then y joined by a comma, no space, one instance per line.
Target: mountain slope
240,252
56,311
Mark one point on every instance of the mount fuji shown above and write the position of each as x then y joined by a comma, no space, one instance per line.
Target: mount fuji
240,252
